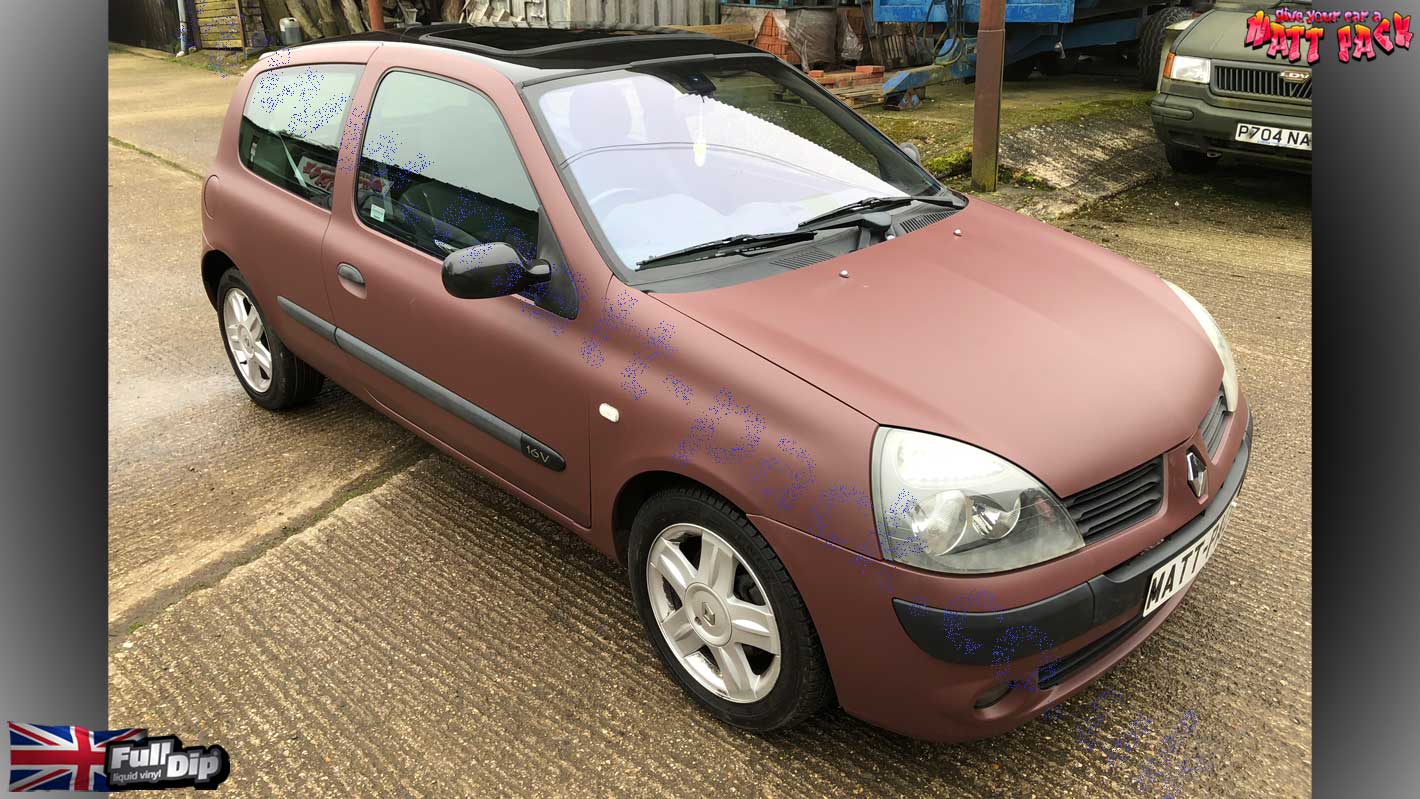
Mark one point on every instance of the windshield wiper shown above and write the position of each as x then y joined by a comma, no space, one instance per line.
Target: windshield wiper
877,204
734,245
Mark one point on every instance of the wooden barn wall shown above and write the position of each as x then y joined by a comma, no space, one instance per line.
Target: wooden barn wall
144,23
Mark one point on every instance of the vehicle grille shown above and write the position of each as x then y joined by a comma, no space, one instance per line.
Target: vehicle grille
923,220
1119,502
1058,671
1214,423
1260,83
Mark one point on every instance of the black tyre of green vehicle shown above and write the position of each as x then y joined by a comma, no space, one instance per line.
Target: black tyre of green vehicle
803,686
1188,162
1151,42
293,381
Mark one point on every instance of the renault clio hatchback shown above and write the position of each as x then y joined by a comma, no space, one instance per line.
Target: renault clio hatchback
855,437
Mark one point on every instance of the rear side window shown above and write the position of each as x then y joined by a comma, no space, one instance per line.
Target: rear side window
439,172
291,127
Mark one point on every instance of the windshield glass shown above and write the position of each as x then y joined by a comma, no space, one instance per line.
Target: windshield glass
668,156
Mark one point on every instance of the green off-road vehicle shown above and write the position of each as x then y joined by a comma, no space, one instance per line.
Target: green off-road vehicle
1220,96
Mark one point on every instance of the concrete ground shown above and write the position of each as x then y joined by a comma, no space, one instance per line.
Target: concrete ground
351,614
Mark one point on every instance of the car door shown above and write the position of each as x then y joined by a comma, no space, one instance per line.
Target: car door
491,379
279,186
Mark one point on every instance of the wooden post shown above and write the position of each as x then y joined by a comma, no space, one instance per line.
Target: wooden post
986,114
377,15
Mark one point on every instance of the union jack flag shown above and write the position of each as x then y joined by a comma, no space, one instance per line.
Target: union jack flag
46,758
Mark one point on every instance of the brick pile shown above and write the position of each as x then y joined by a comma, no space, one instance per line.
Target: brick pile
771,40
866,76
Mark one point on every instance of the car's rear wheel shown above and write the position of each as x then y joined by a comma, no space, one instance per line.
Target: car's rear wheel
1188,162
722,613
272,375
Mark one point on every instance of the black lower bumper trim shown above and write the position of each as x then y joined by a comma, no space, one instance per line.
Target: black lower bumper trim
980,639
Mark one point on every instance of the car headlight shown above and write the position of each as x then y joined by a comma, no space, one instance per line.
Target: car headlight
1220,343
950,507
1187,68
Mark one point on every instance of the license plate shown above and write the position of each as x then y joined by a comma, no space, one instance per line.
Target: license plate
1275,137
1175,575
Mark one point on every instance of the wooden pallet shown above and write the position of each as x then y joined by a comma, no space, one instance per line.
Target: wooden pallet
860,96
228,24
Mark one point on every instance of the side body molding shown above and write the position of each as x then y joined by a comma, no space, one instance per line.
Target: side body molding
533,449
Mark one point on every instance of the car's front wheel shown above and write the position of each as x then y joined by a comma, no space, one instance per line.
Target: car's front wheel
721,611
272,375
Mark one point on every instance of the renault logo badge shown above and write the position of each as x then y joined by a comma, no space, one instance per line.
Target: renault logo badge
1197,474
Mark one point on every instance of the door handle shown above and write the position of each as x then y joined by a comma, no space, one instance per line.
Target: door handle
350,273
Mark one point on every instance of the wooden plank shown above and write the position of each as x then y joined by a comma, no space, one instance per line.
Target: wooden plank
679,13
732,32
663,13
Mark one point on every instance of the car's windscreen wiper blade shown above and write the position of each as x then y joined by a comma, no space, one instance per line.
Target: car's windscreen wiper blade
878,204
734,245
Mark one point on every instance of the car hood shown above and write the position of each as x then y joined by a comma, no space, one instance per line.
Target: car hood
1054,353
1219,34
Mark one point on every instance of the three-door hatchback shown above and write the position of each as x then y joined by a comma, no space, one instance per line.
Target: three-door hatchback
854,436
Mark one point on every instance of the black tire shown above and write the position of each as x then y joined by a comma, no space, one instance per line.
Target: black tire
1055,64
1188,162
1151,42
1018,71
293,381
803,687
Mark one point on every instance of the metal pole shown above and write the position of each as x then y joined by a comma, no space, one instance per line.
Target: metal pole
986,114
377,15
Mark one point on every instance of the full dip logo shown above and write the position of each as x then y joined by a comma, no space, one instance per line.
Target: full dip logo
1284,33
165,763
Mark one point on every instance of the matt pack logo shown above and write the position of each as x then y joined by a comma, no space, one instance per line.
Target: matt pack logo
48,758
1287,34
164,762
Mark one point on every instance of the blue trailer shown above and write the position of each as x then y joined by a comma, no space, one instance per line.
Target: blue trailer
1040,34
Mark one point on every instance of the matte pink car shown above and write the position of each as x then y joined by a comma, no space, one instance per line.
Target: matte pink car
855,437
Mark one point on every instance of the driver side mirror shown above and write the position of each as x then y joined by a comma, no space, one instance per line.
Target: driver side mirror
911,150
491,270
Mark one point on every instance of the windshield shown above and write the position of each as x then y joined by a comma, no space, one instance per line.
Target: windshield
669,156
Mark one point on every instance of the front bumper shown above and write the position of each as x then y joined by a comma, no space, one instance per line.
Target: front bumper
1070,614
1195,124
896,657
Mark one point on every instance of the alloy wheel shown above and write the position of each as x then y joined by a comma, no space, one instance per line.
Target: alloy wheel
713,612
246,338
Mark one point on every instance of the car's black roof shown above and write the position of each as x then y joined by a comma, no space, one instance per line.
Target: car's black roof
523,52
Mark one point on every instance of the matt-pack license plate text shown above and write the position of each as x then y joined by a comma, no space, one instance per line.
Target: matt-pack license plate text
1275,137
1175,575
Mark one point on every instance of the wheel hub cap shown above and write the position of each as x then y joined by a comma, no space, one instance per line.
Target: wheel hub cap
711,620
711,610
246,339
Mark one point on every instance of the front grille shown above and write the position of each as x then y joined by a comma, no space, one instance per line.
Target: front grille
1058,671
923,220
1119,502
1259,83
1214,423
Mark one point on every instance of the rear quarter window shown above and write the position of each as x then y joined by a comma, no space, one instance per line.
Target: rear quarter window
292,125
